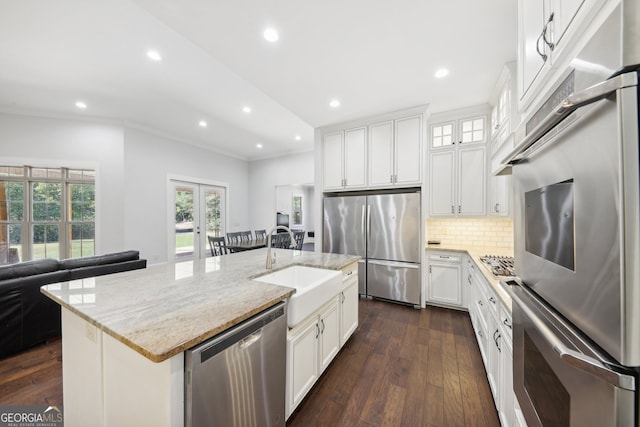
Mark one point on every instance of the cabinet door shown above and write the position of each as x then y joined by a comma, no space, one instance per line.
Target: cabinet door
408,150
473,130
472,181
302,362
355,157
564,12
329,334
493,358
441,179
442,135
499,200
531,20
444,284
506,409
332,159
348,311
381,154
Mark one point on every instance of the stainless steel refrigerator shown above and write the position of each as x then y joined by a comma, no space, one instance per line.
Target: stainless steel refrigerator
384,229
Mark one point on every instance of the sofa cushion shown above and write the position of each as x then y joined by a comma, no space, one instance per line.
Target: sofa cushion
100,270
28,268
91,261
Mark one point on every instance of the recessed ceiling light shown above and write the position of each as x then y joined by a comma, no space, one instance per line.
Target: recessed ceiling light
154,55
202,124
81,105
271,35
297,137
246,109
258,145
334,103
442,72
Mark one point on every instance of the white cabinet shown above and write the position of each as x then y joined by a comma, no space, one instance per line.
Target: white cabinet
302,362
311,346
547,31
349,305
445,286
458,182
395,152
315,342
386,151
344,159
458,165
499,195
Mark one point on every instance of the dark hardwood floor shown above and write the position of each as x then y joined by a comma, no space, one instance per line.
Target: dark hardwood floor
402,367
33,377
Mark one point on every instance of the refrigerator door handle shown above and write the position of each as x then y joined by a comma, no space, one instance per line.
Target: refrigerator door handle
368,223
362,223
393,263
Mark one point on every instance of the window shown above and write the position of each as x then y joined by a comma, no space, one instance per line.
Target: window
296,210
46,213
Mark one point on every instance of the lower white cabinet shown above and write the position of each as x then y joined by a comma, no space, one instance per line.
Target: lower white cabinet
311,346
348,309
491,321
445,286
315,342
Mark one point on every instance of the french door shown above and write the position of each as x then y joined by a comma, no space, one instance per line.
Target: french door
198,212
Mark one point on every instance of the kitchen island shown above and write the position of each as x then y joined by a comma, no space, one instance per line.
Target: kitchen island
124,335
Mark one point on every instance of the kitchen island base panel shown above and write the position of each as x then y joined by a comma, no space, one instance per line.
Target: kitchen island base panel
106,383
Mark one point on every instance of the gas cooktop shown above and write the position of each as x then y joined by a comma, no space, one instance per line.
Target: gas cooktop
499,265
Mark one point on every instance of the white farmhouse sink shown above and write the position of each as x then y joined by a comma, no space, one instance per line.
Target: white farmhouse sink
314,287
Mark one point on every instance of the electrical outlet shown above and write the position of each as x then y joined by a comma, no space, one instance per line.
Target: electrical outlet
91,332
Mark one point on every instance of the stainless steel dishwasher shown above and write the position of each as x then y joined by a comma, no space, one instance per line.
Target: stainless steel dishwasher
237,378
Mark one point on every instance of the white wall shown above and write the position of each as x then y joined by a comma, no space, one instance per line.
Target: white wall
149,161
265,175
40,141
132,169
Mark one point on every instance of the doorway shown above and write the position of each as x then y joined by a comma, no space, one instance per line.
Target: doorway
198,212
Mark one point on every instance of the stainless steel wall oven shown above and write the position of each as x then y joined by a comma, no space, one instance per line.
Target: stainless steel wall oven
576,301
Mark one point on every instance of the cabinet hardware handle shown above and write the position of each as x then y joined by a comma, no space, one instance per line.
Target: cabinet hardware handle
542,55
459,208
480,334
506,323
322,321
492,300
317,330
429,269
496,207
349,273
544,32
480,302
391,179
453,209
444,256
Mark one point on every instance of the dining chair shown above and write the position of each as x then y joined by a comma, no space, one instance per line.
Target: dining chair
261,234
299,236
233,237
246,236
218,246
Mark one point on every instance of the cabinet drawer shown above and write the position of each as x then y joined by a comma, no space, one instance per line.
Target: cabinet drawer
453,258
505,323
350,271
492,300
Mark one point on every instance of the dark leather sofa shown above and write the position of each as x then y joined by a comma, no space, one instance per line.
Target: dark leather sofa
28,317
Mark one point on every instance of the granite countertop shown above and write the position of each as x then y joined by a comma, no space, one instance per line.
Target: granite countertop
475,253
166,309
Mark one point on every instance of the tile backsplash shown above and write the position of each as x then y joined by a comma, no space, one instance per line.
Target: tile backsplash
476,232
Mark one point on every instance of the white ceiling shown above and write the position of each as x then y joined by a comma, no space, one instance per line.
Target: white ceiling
376,56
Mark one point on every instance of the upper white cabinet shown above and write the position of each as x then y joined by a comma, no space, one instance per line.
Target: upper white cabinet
458,167
547,30
382,152
344,159
395,152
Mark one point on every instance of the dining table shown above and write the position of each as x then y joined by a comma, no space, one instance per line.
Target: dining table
247,245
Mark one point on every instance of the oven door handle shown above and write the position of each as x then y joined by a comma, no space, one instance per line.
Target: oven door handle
571,357
595,367
567,106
